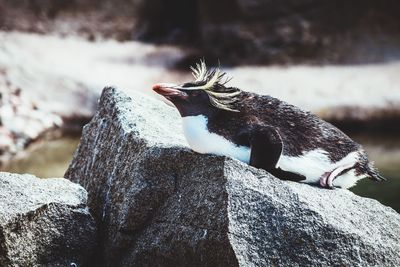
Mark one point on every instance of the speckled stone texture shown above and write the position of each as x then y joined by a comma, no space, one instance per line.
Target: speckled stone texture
158,203
44,222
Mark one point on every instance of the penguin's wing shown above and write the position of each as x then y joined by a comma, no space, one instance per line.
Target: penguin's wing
266,146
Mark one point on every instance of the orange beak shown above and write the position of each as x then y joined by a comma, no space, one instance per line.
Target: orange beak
168,90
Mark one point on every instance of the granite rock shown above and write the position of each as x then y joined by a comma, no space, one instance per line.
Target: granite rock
44,222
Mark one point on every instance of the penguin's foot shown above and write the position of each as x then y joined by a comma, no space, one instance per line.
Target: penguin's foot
323,181
327,178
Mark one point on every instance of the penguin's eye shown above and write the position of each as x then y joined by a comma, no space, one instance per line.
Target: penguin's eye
195,93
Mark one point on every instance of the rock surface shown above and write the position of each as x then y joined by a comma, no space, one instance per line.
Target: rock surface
159,203
44,222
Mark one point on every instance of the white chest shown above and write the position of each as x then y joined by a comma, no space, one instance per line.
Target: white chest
202,141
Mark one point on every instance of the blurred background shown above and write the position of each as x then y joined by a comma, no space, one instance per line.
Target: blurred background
339,59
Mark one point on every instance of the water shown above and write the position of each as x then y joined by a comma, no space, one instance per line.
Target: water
52,157
385,151
46,159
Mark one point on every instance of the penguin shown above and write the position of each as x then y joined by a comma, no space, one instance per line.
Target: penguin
265,132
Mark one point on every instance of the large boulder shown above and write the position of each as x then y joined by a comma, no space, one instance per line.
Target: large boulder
44,222
159,203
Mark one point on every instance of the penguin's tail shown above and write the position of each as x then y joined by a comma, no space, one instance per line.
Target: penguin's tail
373,173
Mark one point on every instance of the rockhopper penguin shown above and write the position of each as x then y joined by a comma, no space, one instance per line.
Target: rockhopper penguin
265,132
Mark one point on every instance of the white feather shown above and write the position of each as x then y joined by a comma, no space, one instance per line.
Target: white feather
313,164
348,179
203,141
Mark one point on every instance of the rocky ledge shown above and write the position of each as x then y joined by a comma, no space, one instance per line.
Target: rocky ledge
158,203
44,222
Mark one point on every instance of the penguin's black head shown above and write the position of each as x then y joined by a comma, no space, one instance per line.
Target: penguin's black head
204,95
188,102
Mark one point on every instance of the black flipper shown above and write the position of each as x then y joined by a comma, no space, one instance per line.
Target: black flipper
266,147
